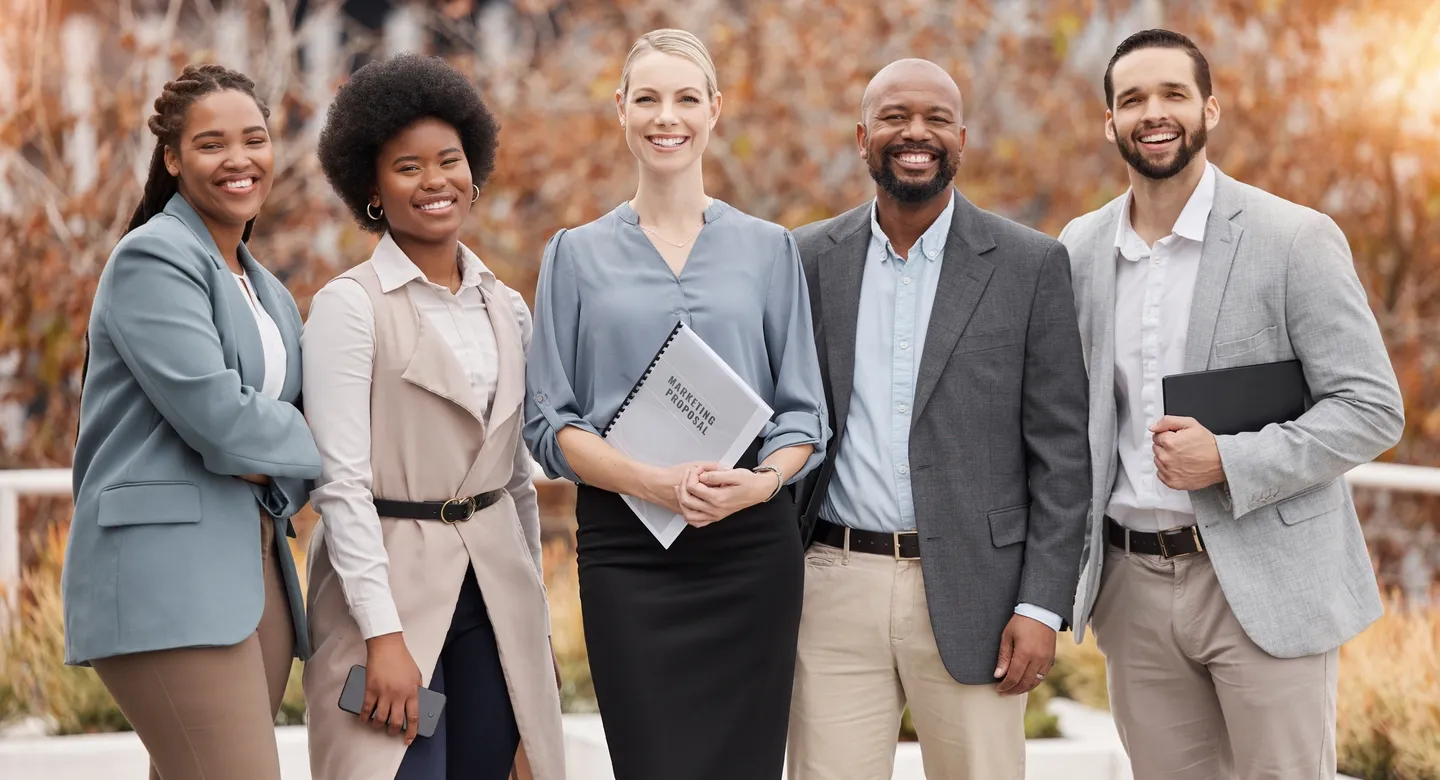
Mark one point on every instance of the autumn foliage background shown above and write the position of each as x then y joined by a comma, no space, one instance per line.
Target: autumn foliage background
1334,104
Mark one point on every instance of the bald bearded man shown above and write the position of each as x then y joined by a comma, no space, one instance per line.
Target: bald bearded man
944,529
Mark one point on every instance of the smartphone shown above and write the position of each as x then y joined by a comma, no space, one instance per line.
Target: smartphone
352,698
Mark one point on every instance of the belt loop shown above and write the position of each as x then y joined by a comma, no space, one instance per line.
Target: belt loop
1127,541
845,559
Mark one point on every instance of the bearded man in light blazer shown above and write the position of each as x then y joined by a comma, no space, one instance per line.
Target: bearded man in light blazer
1221,573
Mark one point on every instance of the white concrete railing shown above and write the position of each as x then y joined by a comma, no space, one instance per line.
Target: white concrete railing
15,483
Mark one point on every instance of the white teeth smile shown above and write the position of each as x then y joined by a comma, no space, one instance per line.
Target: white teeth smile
437,205
238,184
915,158
1159,138
668,142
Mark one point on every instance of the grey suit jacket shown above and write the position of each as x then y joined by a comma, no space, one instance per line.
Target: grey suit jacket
164,547
998,452
1276,282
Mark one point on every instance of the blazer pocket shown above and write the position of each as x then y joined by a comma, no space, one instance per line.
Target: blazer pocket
1230,349
1008,526
148,503
1310,504
992,339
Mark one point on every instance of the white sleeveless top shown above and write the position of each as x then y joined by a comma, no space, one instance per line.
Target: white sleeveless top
270,339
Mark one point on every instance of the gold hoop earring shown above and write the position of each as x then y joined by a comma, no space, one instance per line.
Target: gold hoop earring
476,196
373,217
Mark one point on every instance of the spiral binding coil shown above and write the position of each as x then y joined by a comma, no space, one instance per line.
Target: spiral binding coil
634,391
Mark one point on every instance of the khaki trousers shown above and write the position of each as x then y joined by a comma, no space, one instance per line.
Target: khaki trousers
209,713
866,650
1193,697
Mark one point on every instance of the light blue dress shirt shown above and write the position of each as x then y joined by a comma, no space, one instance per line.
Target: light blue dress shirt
870,489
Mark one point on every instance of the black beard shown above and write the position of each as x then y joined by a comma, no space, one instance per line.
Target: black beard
1190,145
905,192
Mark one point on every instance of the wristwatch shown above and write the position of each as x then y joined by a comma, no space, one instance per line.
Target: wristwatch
779,479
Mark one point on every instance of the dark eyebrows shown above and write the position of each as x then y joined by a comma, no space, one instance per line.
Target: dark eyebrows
886,108
416,157
221,133
1176,85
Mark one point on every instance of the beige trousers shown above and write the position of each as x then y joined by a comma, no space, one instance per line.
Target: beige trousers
866,650
1193,697
209,713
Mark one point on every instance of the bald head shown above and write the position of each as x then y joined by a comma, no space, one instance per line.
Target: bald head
910,76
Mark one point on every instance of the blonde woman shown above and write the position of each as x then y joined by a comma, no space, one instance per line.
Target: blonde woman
692,648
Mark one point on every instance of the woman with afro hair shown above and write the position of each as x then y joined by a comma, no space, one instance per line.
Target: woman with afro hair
426,568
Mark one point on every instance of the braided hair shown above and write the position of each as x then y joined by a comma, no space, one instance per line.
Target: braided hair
193,83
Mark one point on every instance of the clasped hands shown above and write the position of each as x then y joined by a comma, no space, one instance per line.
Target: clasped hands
703,493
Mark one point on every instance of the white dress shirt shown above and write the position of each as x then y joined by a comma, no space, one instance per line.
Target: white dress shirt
339,345
1153,290
270,340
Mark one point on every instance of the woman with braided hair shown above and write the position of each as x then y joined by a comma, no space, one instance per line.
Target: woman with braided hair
192,454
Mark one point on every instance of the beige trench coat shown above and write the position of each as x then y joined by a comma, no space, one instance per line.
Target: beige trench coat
431,440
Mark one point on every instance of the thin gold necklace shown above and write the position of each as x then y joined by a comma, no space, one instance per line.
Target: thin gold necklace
680,245
656,233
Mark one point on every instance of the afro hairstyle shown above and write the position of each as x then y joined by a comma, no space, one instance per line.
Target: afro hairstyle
383,98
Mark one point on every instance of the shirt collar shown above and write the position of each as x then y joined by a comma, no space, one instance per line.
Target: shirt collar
932,241
396,270
1190,225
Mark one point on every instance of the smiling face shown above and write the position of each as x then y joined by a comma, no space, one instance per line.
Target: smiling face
223,158
423,182
911,136
1160,121
668,112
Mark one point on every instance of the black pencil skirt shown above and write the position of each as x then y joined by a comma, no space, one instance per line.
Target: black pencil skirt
692,649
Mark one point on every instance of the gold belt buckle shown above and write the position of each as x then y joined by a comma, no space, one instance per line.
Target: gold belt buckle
1194,534
468,502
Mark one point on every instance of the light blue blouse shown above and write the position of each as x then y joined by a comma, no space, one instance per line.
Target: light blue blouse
606,300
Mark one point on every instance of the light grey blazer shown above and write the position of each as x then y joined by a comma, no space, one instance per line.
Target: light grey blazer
1000,467
1276,282
164,547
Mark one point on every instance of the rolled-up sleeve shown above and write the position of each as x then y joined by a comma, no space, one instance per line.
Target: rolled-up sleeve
550,402
799,401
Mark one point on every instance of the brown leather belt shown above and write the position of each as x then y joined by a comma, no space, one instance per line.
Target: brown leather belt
903,545
1170,543
455,510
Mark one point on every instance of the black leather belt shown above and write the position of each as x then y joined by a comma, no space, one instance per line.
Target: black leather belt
455,510
903,545
1170,543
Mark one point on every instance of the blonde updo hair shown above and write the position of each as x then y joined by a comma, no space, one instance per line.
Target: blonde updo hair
678,43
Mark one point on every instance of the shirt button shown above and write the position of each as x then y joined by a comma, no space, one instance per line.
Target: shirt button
901,408
904,345
930,254
904,469
906,280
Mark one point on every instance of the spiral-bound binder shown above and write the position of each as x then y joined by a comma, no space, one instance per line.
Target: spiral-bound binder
644,376
687,406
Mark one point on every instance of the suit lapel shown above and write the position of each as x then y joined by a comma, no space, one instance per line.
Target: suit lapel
242,337
509,391
270,292
963,278
433,367
1222,238
841,269
1102,344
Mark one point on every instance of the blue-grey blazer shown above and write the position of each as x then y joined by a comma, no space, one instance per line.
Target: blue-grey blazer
164,548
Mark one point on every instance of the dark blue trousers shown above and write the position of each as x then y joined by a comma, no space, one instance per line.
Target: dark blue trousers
476,737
